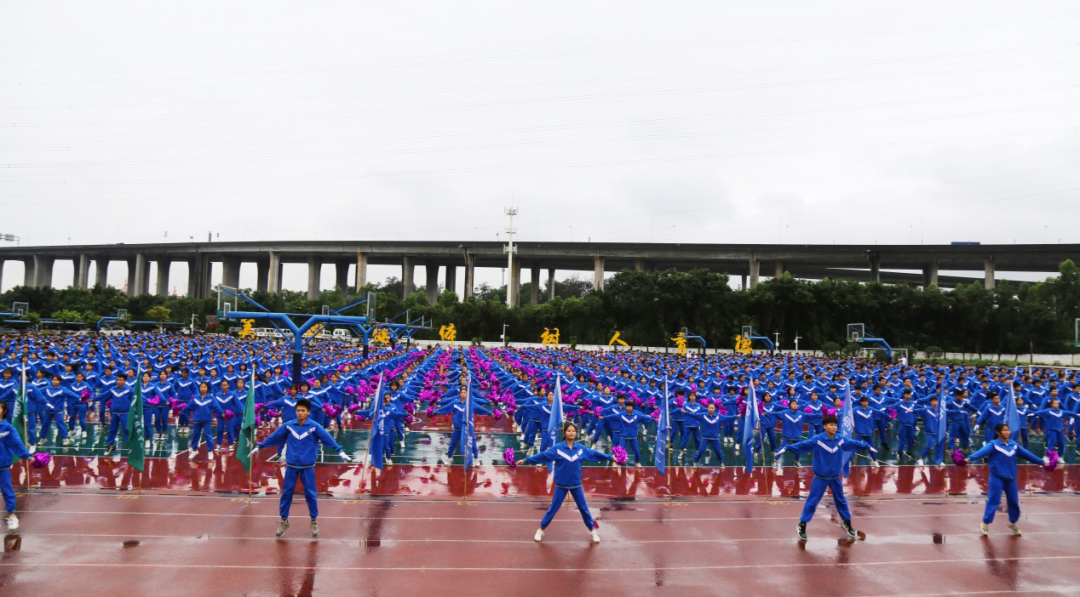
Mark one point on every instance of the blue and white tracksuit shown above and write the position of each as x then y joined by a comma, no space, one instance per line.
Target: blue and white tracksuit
1001,457
567,464
302,441
828,463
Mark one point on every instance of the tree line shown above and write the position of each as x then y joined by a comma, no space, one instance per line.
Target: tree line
649,308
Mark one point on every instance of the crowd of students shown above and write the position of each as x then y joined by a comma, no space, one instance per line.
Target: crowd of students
197,387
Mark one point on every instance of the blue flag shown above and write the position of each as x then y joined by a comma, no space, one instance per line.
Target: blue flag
942,417
469,428
750,425
1012,417
847,428
556,419
378,429
662,432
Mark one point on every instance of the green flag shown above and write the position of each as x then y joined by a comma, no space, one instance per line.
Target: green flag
18,417
247,428
136,429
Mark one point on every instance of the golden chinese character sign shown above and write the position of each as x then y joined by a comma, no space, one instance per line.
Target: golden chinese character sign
447,333
549,338
680,342
247,331
615,339
742,345
381,336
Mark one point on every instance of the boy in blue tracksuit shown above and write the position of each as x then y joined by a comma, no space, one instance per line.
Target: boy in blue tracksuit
202,408
907,413
710,423
303,437
960,411
1001,456
1053,418
828,449
10,445
791,426
691,425
629,422
567,456
991,414
120,397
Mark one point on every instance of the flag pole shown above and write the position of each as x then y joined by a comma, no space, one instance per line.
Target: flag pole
251,464
26,423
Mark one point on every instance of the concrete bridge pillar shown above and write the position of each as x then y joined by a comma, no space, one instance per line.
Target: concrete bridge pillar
408,266
29,273
230,271
755,272
551,283
82,271
534,292
1,274
341,277
470,277
101,271
138,274
43,268
314,273
639,265
988,267
875,267
273,272
199,277
598,273
163,267
262,274
930,275
361,270
431,285
514,287
779,270
451,277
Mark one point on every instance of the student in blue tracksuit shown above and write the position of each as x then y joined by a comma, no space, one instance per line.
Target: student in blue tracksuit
1053,418
791,426
960,411
906,414
9,388
828,449
226,402
202,408
1001,456
710,423
77,407
457,408
1022,414
118,398
302,436
52,402
567,457
991,414
691,425
10,446
930,433
629,423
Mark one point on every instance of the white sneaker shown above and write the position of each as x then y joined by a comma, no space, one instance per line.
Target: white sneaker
66,441
984,529
921,462
876,464
539,536
1014,528
595,536
12,522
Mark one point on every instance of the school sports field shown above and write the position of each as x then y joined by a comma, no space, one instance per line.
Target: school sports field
187,526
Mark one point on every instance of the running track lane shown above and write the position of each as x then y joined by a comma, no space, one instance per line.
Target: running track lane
163,545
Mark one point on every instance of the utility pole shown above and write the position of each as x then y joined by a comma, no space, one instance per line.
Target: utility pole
776,335
797,338
510,211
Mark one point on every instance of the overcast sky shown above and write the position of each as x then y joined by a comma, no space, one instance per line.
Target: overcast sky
802,121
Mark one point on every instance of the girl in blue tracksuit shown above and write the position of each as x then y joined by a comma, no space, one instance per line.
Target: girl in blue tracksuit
1001,456
202,408
710,423
52,402
691,425
10,446
1022,413
829,450
77,408
9,386
302,436
990,415
567,456
906,415
226,401
457,408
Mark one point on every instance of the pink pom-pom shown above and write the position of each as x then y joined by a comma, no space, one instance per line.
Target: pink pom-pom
619,453
1053,457
808,410
958,458
273,414
652,402
720,408
598,411
892,413
784,403
353,408
410,407
655,414
85,395
229,415
497,414
830,411
41,460
742,409
409,420
155,401
430,411
108,404
508,456
680,401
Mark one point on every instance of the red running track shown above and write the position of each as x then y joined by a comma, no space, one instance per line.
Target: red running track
106,543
